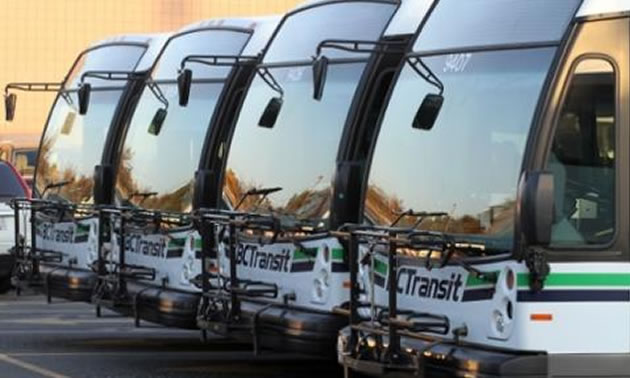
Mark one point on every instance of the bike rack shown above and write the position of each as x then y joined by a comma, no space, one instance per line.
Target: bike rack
220,306
390,321
29,257
113,275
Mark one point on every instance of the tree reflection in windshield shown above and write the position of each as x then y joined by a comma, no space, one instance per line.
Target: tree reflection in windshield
166,163
299,153
73,145
468,164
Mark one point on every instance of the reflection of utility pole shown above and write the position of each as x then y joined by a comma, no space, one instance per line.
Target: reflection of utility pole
450,216
319,179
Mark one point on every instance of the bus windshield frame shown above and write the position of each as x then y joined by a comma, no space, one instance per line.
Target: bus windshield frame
299,153
468,165
164,164
72,144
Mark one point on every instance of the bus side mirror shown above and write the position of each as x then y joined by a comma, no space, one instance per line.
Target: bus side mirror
9,106
428,112
184,82
320,71
158,121
535,207
270,115
84,97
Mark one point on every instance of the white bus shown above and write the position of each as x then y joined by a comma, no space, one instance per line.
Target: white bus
494,240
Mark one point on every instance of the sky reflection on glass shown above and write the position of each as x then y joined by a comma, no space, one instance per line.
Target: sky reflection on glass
468,164
166,163
299,153
73,144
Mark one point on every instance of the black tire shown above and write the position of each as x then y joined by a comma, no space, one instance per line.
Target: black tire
5,284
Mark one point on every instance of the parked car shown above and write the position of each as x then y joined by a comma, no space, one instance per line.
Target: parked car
20,149
12,185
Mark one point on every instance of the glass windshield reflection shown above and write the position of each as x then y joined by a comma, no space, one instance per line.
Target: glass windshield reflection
299,153
165,164
113,58
468,164
73,145
300,34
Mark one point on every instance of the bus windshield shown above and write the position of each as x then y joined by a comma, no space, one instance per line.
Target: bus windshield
468,164
156,171
298,154
73,143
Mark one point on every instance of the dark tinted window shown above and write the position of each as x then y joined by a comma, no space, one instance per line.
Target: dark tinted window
10,186
583,157
300,34
457,24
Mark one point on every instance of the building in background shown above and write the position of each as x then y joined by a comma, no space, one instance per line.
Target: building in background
40,38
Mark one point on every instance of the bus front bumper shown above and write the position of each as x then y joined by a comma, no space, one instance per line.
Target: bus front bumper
7,260
420,358
165,306
291,329
69,283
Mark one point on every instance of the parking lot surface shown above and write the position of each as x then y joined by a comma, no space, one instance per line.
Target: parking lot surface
65,339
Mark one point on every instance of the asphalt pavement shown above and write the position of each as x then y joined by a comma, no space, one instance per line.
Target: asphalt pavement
66,339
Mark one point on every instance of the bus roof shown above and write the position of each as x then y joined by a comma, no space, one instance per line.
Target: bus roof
261,27
405,21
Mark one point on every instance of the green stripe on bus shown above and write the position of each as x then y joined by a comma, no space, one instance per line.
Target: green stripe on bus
83,228
337,253
299,254
177,242
473,281
198,244
380,267
580,279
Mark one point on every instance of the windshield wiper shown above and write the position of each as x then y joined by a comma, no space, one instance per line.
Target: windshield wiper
144,195
446,245
264,192
56,185
419,215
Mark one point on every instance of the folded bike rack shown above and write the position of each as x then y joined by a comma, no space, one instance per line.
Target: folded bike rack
220,306
113,274
377,337
28,256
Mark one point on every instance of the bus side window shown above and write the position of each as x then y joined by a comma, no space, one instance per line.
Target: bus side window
582,158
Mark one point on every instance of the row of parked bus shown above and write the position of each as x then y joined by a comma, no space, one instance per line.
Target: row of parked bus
412,187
